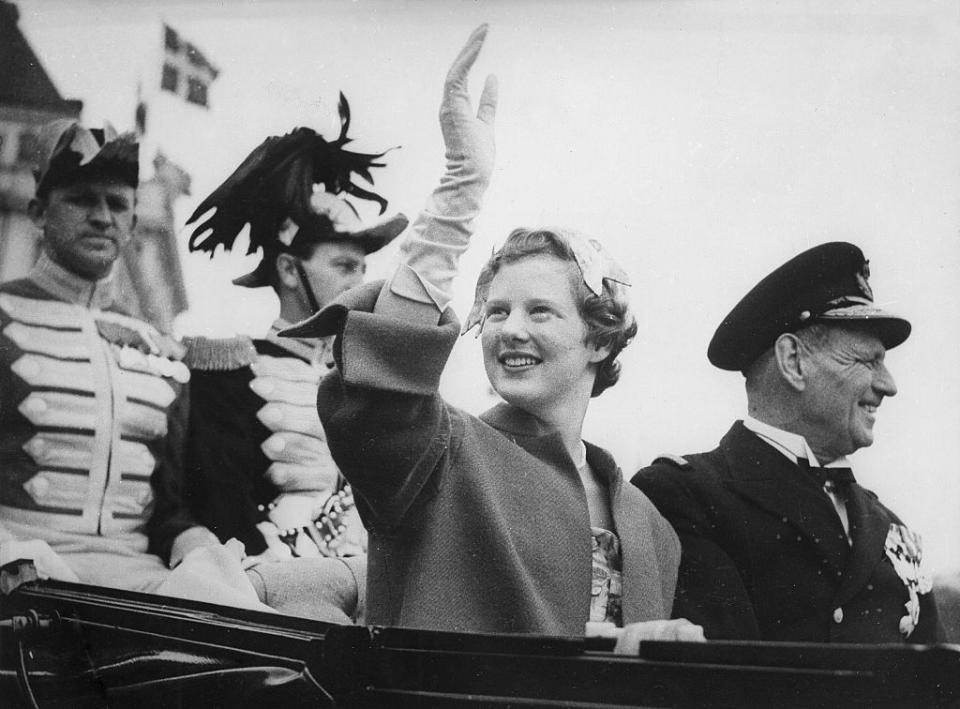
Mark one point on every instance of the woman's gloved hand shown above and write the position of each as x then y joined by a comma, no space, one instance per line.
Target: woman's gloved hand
442,230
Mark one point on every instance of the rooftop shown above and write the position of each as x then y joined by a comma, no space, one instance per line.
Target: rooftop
23,81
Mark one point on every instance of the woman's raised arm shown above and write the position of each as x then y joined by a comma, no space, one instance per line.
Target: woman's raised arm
420,289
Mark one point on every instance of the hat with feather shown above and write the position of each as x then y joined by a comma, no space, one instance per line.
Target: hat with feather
288,190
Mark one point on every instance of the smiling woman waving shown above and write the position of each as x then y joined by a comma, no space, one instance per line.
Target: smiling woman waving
508,522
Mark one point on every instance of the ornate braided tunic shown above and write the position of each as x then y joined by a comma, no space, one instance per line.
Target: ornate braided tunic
91,417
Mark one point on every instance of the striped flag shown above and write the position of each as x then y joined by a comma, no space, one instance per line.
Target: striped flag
186,71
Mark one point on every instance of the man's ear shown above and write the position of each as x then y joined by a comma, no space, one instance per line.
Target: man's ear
287,274
790,364
37,212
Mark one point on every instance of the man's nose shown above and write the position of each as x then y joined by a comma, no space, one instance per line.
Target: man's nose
99,213
883,381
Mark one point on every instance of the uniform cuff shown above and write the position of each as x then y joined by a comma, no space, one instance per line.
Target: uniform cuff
391,354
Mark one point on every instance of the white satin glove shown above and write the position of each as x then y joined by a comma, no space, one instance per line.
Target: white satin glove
630,636
188,540
214,574
441,232
48,563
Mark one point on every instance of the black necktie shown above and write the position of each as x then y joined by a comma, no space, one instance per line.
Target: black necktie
833,479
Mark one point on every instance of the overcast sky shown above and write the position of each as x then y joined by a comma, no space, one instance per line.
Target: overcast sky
704,142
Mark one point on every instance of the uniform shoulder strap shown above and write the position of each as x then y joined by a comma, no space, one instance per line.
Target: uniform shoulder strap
209,355
675,460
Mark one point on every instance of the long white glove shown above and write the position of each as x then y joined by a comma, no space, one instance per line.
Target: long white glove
442,230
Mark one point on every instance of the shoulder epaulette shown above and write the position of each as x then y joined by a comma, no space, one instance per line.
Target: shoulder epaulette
678,461
207,354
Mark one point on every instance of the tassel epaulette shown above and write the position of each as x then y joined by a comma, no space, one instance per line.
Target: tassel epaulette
208,354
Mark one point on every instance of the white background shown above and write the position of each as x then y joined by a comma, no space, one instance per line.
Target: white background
704,142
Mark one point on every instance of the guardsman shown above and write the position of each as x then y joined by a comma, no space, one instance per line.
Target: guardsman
259,466
92,411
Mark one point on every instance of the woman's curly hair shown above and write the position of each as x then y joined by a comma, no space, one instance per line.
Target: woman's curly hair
609,319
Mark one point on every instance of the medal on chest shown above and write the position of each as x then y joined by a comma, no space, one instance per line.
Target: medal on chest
905,552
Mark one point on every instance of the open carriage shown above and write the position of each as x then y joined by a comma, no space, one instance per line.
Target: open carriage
70,645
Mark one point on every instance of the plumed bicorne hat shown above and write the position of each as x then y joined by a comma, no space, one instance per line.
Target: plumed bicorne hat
825,284
68,152
288,190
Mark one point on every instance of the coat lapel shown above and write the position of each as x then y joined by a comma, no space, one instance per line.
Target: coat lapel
530,434
764,476
643,547
643,592
868,528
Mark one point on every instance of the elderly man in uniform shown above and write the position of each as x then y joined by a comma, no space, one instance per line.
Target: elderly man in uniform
779,541
258,462
92,405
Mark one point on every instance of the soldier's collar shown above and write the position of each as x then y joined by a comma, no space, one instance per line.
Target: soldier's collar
68,286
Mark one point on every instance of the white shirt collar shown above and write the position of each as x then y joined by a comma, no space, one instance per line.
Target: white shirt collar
792,445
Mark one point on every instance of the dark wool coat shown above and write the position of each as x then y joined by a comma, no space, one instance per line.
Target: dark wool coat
476,524
765,555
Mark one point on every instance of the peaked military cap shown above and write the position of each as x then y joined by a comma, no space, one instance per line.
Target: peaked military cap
826,284
68,151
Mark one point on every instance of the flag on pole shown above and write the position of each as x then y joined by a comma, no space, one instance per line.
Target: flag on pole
140,113
186,72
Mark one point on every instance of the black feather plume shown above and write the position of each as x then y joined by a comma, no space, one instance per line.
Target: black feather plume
276,181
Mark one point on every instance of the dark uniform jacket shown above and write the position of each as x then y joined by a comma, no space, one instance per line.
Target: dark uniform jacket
227,485
256,453
765,555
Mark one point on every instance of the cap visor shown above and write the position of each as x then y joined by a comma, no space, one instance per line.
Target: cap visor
892,329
